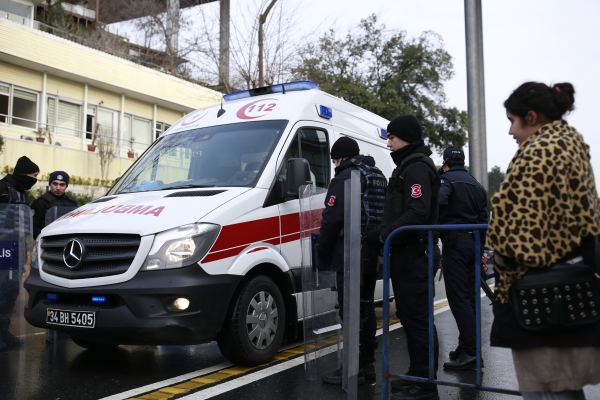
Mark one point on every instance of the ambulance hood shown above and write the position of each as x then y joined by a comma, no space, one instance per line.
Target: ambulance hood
144,213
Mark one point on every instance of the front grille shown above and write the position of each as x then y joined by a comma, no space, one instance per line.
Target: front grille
107,254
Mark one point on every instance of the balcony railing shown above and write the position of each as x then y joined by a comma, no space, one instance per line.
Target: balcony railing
53,130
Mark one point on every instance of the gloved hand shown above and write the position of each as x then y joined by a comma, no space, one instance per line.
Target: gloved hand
373,240
322,259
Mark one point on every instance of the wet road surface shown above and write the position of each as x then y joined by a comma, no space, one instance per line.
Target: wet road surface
63,370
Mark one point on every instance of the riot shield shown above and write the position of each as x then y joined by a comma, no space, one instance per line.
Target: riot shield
16,244
56,212
52,215
322,327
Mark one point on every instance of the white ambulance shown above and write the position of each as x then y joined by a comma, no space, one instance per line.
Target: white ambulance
199,239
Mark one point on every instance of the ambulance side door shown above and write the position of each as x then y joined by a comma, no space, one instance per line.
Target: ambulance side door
312,141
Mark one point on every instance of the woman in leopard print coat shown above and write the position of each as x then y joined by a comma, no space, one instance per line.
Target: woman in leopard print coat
546,206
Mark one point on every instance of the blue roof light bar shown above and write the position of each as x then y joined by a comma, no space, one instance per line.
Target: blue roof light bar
279,88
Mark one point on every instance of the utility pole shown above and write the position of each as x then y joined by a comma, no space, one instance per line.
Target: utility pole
173,33
224,45
261,21
476,91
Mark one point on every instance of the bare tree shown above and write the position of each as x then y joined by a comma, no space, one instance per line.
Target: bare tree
107,150
262,19
155,29
278,43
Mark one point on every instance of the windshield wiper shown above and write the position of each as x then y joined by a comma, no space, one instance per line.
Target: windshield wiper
188,185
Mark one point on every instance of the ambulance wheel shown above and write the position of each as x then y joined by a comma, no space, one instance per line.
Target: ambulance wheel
254,327
86,344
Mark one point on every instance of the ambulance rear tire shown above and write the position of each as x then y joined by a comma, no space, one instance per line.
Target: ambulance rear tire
86,344
254,327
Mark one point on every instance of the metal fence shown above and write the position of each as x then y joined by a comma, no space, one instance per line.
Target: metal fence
476,228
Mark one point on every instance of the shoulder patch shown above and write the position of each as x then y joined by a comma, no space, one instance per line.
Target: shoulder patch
415,191
331,201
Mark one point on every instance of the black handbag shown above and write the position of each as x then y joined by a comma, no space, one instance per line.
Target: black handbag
563,297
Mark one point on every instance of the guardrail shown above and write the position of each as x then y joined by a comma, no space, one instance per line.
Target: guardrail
476,228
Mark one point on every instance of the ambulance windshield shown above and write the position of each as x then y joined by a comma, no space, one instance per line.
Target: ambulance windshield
224,155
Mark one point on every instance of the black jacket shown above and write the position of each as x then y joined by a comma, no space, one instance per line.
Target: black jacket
43,204
12,190
412,193
463,200
331,238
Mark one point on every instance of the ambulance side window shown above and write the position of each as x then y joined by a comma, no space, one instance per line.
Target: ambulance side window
311,144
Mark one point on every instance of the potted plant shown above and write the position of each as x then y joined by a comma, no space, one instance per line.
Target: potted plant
41,133
130,152
92,147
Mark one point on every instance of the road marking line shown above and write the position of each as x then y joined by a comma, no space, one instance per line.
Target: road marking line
169,388
270,371
168,382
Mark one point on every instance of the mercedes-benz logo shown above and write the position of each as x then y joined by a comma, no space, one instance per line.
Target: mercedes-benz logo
74,253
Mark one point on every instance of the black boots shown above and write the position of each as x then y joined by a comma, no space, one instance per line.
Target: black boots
417,391
335,377
463,361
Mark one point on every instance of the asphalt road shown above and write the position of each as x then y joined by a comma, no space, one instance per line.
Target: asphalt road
65,371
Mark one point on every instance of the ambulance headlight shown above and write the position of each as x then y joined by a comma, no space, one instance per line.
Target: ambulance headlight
181,246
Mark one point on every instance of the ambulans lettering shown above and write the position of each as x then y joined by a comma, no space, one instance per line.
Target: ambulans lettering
257,109
139,209
128,209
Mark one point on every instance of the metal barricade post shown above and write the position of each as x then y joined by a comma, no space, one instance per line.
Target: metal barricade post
476,228
352,279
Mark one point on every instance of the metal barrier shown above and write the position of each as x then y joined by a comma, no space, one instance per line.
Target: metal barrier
476,228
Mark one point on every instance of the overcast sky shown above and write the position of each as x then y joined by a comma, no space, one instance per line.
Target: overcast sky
550,41
543,40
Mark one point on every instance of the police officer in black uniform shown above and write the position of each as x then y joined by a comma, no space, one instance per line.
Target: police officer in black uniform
411,199
463,200
14,187
330,245
13,190
56,197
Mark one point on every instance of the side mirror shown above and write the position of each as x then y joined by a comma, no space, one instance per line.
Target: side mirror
298,174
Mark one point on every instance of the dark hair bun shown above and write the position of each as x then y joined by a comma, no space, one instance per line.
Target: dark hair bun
564,97
551,101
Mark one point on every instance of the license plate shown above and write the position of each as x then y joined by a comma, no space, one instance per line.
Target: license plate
81,319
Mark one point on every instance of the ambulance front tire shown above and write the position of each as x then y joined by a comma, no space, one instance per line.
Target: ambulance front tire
254,327
86,344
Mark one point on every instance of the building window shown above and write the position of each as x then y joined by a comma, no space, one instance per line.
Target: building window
24,108
160,128
106,123
142,133
137,132
64,119
90,122
16,8
4,96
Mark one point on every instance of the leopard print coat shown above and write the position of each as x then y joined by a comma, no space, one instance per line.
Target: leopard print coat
546,204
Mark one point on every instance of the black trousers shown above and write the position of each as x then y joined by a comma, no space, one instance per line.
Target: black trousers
368,326
9,291
458,262
409,279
